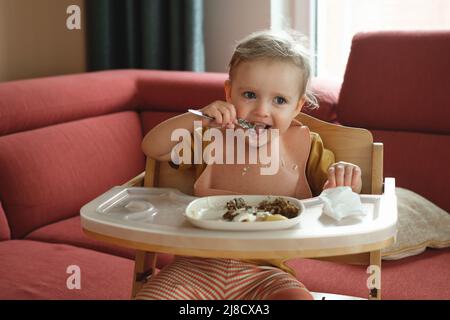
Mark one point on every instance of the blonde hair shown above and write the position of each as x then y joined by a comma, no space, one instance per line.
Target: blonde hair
284,45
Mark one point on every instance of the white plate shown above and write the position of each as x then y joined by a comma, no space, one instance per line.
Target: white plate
207,213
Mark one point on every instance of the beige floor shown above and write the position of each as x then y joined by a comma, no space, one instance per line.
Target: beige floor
330,296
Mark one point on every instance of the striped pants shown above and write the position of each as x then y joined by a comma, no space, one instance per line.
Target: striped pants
189,278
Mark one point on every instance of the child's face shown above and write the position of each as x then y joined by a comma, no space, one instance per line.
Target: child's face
266,92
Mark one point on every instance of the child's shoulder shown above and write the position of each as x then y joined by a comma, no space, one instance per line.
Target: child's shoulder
296,130
299,130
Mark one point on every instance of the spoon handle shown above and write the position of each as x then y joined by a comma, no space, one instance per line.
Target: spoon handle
200,114
243,123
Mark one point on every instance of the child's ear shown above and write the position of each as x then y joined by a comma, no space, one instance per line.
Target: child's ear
300,104
228,90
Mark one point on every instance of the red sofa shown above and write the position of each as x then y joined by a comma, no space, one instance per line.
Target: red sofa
65,140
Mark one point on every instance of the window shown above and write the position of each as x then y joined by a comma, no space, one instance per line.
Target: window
337,22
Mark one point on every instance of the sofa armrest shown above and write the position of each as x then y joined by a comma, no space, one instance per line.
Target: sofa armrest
137,181
327,93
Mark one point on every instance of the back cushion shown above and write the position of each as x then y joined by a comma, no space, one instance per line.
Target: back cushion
397,85
151,119
398,81
175,91
48,174
326,92
5,233
40,102
418,161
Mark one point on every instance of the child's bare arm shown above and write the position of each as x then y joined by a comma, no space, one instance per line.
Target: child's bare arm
157,143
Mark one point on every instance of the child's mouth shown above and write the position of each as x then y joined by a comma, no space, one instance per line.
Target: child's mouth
258,130
260,127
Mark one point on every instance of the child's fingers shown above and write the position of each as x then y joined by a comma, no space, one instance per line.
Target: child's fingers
217,115
339,173
356,178
224,113
226,116
344,174
348,175
228,113
233,115
331,178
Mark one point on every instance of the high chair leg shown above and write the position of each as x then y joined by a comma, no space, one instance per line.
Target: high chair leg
144,266
375,261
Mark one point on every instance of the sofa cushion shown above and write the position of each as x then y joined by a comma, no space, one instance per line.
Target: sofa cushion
425,276
176,91
69,231
48,174
418,162
35,103
420,225
150,119
195,90
393,88
397,81
37,270
5,233
326,92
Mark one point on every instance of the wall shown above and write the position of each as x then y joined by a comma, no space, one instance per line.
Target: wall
34,40
339,22
228,21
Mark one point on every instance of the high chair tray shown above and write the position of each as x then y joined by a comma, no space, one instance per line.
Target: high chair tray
153,219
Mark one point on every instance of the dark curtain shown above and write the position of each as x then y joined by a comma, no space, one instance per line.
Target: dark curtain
145,34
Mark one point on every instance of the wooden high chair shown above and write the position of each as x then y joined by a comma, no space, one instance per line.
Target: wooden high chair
353,145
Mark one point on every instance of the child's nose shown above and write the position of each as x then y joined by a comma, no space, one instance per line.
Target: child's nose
262,109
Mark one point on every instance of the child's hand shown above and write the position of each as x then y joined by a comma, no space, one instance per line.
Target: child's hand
223,112
344,174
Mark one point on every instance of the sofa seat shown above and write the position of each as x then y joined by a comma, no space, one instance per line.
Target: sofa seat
424,276
69,231
37,270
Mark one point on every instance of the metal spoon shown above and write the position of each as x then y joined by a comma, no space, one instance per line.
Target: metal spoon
243,123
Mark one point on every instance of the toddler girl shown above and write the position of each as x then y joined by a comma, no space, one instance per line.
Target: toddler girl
267,86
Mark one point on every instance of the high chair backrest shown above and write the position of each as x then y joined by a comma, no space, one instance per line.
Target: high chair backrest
348,144
353,145
161,174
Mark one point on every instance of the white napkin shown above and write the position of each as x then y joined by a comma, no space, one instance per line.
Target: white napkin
341,202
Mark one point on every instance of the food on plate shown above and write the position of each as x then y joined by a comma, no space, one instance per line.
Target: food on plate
275,217
267,210
280,206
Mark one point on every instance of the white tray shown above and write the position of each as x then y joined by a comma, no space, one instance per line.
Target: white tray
162,224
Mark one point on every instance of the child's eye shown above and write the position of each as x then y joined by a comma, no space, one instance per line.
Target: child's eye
280,100
249,95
